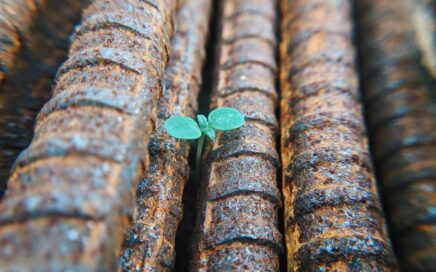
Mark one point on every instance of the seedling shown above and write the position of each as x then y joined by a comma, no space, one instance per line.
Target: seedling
183,127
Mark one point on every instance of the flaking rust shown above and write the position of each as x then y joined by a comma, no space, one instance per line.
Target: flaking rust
71,192
29,81
149,242
237,224
333,218
16,17
402,123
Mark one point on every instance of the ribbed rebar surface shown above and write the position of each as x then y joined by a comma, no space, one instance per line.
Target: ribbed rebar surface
402,122
333,218
132,64
149,243
237,226
71,193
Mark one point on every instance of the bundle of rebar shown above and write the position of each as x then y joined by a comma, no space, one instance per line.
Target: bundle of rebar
103,186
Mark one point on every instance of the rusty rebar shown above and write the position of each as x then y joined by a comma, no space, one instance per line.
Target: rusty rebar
71,193
237,223
16,17
30,78
333,218
402,124
149,242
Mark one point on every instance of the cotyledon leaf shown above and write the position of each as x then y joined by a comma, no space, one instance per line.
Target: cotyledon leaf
182,127
225,119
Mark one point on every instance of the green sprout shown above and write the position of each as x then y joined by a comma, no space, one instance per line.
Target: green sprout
183,127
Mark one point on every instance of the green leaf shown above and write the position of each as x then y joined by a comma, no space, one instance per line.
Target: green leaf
202,121
225,119
209,132
182,127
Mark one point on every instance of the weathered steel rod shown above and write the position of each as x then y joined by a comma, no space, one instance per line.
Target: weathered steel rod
149,243
237,226
402,123
333,218
71,193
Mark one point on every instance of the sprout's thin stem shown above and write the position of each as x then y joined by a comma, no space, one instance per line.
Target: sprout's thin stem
198,158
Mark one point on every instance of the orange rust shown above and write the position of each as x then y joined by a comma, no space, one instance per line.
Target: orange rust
237,226
149,242
401,113
71,192
333,218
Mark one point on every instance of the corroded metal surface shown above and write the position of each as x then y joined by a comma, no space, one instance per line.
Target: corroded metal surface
149,242
71,193
402,123
333,218
237,224
16,17
29,81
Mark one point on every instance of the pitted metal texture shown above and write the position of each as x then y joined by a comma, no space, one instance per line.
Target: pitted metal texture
149,242
237,224
71,192
333,217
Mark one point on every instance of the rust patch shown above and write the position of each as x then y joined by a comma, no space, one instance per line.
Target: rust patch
149,243
237,226
73,187
333,218
402,124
